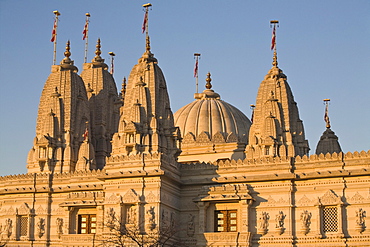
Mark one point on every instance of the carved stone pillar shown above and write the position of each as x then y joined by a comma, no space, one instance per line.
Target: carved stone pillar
244,214
99,218
202,216
319,221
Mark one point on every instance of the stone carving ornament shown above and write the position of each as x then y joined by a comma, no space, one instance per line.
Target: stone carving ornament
306,221
111,216
59,222
8,227
360,220
279,219
263,223
41,227
151,218
191,228
131,215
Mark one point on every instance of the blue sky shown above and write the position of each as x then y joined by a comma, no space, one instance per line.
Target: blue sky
323,48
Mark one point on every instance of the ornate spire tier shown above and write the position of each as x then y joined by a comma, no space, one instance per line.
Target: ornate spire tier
104,104
63,111
277,129
146,124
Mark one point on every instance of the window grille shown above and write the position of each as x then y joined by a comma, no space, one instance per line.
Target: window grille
23,223
330,219
226,221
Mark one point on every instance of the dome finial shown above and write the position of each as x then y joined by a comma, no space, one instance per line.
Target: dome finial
326,116
67,53
98,51
208,80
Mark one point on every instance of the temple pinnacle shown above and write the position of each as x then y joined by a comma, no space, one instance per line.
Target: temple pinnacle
67,53
274,59
98,46
208,80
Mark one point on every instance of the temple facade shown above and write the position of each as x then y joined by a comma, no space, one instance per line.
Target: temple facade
120,169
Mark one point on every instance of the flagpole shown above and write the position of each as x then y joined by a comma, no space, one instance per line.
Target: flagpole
326,116
86,35
146,24
274,24
111,61
55,28
252,108
196,56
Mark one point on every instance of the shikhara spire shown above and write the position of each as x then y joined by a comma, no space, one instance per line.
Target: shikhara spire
277,129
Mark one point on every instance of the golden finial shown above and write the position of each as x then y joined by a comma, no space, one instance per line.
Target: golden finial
56,12
67,53
208,80
147,43
123,90
98,46
274,59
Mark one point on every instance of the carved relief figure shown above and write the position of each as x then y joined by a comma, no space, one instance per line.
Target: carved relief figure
280,220
306,221
59,222
172,220
111,217
360,220
41,227
191,228
151,218
263,223
8,227
165,219
131,215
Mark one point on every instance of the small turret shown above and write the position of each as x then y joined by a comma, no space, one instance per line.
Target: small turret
328,142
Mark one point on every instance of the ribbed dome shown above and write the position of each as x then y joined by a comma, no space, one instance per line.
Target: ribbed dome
209,114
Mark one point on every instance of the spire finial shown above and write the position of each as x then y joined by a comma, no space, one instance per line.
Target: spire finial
274,59
67,53
123,90
208,80
274,24
98,46
67,63
326,116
